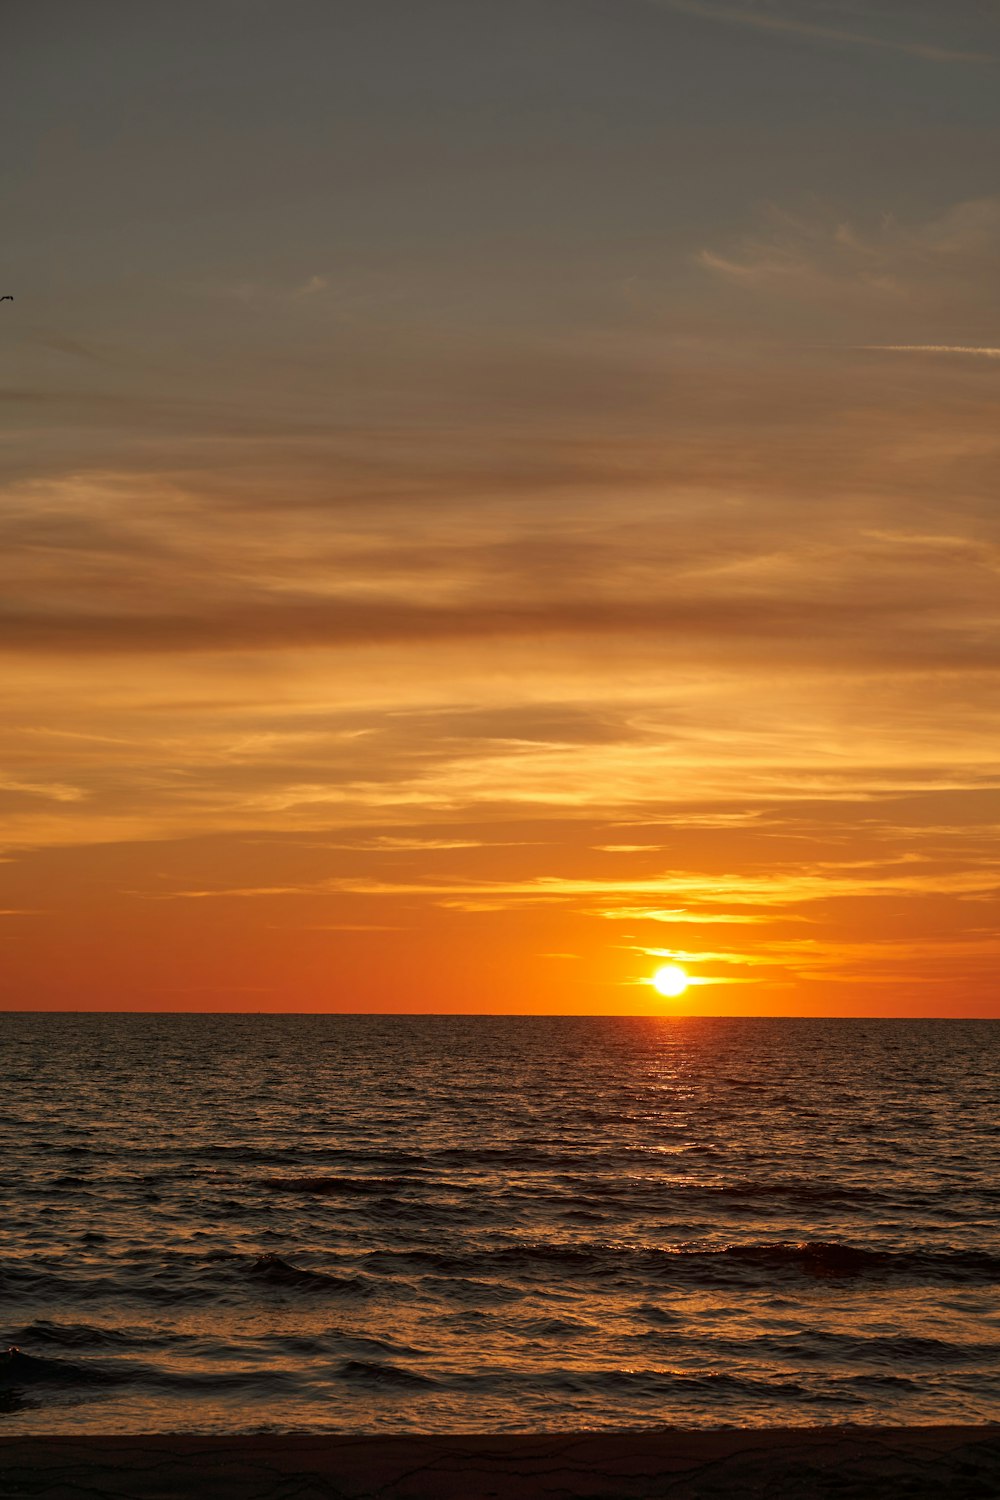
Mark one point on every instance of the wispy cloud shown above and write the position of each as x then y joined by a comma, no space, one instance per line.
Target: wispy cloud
394,844
981,351
246,290
779,889
701,956
311,286
280,623
694,980
53,791
679,914
788,25
937,267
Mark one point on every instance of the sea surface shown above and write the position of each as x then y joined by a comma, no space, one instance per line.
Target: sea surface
496,1224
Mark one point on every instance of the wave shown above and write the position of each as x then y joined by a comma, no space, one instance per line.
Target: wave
880,1381
329,1186
87,1335
822,1258
555,1328
19,1370
173,1280
496,1274
277,1272
819,1346
809,1258
450,1288
23,1375
518,1157
380,1373
632,1192
638,1382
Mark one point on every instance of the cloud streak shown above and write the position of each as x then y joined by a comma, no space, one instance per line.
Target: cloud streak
981,351
809,31
275,624
884,273
782,888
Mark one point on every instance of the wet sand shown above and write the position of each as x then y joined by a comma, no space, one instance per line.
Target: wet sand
933,1463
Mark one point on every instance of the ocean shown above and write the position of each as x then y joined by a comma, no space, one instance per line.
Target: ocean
346,1223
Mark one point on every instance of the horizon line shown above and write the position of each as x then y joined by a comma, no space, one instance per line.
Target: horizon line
522,1015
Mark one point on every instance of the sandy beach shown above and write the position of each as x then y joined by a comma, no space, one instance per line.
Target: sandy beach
961,1463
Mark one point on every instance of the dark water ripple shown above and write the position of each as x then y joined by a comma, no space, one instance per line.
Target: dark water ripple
229,1222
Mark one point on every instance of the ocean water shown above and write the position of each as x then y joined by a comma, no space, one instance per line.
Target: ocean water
493,1224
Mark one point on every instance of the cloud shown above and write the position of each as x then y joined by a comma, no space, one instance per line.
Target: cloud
705,956
245,290
785,592
694,980
779,889
132,581
979,350
54,791
679,914
793,26
627,848
393,844
278,624
935,268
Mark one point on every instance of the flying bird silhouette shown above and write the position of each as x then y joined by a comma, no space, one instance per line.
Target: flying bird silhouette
7,298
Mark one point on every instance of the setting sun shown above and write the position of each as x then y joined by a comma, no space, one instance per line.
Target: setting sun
670,981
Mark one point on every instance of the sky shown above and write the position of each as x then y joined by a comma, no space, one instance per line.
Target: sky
497,496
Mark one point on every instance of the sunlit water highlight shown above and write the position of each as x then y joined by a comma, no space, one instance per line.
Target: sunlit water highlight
495,1224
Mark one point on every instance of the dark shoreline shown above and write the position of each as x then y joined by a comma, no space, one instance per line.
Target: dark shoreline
900,1463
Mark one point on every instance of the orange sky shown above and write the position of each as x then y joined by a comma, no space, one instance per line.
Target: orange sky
552,536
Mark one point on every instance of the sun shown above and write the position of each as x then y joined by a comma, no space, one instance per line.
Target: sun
670,981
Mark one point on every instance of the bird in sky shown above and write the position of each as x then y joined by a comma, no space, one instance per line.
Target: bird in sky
6,298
